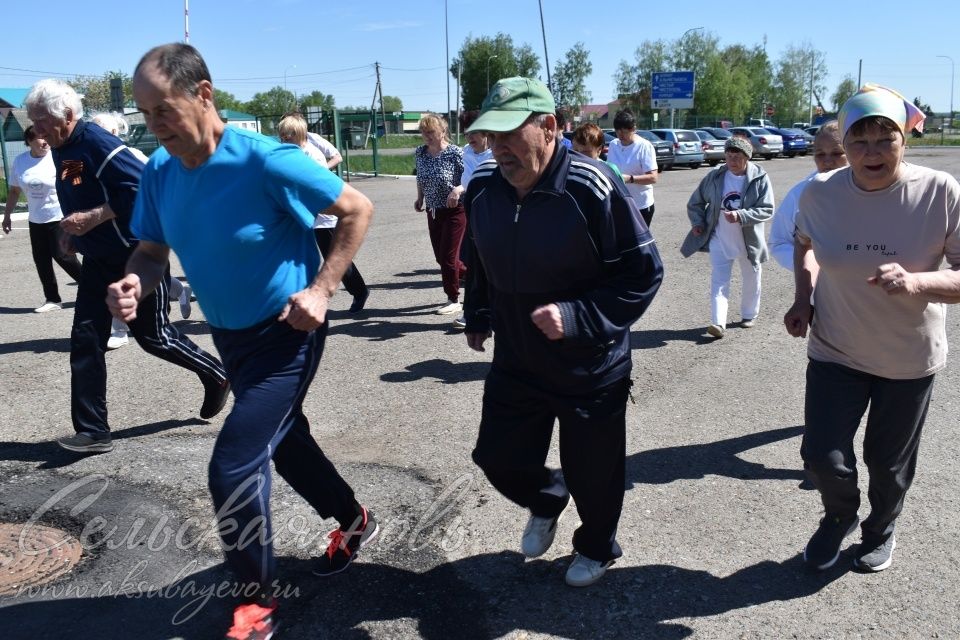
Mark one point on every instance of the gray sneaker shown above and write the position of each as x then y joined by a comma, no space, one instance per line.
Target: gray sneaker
875,555
824,547
86,443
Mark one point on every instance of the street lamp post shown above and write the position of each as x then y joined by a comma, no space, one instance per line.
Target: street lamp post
951,89
488,71
682,38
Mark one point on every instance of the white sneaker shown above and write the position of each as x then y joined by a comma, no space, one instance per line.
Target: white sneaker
460,323
48,306
117,339
184,299
539,533
716,330
583,571
450,307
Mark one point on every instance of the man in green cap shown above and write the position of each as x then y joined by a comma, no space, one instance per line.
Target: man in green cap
562,265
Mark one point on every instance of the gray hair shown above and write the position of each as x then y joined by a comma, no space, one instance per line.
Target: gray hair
113,122
54,97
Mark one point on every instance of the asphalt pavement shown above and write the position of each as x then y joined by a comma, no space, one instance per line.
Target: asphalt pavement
713,523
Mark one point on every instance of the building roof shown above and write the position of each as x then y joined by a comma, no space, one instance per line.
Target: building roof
13,97
230,114
599,109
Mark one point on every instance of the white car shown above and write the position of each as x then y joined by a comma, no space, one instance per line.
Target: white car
766,144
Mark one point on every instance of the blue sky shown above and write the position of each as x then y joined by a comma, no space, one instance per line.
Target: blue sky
250,45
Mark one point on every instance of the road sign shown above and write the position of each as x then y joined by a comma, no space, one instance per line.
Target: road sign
672,90
770,110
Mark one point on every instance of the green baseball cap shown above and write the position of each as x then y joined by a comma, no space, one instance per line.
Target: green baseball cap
510,102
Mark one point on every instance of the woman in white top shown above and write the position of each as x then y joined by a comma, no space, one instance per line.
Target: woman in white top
33,173
292,129
637,160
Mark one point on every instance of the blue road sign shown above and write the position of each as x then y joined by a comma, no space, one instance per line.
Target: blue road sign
672,90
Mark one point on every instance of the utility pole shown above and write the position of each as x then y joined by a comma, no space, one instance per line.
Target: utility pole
546,58
860,75
810,118
186,21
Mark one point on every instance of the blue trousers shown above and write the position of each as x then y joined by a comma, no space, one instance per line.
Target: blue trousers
270,367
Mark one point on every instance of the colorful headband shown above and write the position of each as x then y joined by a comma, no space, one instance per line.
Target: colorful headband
874,100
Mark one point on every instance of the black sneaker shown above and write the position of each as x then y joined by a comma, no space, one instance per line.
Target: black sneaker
215,396
875,555
824,547
86,443
345,544
359,301
253,622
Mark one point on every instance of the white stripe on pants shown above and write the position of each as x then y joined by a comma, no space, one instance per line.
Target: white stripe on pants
722,268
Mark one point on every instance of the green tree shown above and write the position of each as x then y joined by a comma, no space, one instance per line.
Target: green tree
226,100
318,99
633,82
96,89
276,101
845,90
392,103
569,78
791,86
923,107
753,74
496,55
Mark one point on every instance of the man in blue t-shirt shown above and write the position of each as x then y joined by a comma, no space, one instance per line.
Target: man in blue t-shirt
238,208
97,180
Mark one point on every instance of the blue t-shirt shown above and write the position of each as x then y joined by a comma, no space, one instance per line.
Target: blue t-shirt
241,223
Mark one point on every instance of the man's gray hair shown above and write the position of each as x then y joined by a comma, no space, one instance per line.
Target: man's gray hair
180,63
54,97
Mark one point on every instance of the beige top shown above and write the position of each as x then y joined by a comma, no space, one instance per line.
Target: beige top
914,222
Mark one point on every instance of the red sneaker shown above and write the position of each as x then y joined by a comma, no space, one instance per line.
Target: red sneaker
253,622
346,544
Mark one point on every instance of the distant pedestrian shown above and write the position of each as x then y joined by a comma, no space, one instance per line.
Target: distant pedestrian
727,212
439,193
637,160
33,173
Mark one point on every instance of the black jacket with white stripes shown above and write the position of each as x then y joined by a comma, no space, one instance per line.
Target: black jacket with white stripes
577,240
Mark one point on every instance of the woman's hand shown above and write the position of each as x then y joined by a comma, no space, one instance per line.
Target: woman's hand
697,230
418,205
895,280
797,318
453,199
731,216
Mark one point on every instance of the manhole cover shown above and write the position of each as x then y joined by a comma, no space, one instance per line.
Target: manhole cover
33,555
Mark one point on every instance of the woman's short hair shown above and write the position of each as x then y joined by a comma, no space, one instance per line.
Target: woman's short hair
624,120
886,125
55,97
433,122
828,130
293,127
588,135
29,135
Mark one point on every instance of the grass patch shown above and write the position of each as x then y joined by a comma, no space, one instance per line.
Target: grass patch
933,140
393,165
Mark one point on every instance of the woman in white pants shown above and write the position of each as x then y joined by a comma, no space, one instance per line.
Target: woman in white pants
727,214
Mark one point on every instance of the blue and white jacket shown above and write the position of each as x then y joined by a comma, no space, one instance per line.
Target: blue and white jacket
577,240
95,167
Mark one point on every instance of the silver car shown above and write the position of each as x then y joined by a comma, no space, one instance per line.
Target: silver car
687,148
766,144
713,153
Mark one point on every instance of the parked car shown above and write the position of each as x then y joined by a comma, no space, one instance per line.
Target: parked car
794,141
713,153
814,130
663,148
761,122
766,144
717,132
687,148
